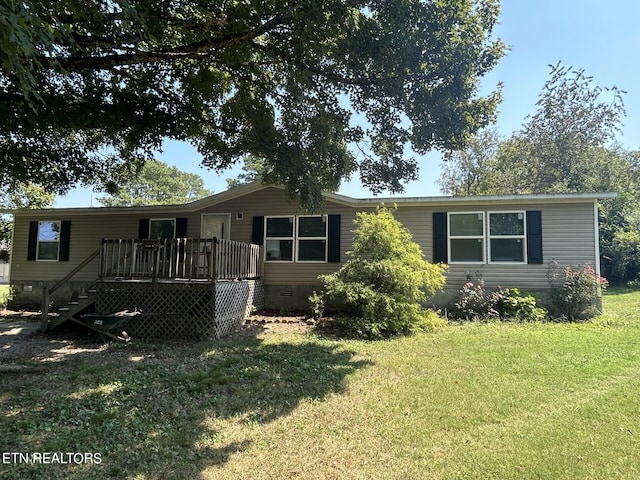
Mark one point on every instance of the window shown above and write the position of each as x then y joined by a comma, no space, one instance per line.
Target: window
162,228
279,239
488,237
466,237
305,238
48,240
300,239
312,239
507,237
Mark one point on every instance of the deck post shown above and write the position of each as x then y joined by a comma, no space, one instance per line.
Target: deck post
214,257
44,319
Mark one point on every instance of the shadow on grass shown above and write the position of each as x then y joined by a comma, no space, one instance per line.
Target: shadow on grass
164,410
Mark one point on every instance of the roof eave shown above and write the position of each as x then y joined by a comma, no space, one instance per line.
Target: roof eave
242,190
484,200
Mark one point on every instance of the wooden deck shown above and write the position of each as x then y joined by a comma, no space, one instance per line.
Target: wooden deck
189,288
180,259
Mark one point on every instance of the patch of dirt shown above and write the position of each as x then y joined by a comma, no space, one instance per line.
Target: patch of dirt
22,344
274,322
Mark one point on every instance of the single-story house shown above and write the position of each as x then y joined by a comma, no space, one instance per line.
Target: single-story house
505,240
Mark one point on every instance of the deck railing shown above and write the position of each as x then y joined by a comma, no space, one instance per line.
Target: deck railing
180,259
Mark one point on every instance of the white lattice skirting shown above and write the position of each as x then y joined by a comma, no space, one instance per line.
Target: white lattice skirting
235,302
193,311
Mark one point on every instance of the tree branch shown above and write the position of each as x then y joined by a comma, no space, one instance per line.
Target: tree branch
195,50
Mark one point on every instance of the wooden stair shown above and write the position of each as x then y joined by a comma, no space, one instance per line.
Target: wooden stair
78,303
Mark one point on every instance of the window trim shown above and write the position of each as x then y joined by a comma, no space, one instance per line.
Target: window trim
58,241
296,238
292,238
325,221
151,220
482,237
522,238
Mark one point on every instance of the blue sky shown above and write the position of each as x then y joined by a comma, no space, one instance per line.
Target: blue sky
603,38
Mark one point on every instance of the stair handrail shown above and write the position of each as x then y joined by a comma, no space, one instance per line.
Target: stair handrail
73,272
47,292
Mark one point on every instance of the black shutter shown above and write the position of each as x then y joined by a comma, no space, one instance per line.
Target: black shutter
333,237
440,251
65,238
143,229
257,234
534,237
181,228
33,241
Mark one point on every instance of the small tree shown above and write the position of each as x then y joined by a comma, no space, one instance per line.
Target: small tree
18,195
158,183
386,279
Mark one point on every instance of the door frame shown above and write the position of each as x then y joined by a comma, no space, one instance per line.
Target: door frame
226,234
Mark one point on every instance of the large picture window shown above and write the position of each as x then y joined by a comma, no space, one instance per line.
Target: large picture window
466,237
48,246
312,239
507,237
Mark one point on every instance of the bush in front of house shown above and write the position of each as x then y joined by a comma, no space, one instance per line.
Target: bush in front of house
576,292
513,304
5,295
385,281
475,303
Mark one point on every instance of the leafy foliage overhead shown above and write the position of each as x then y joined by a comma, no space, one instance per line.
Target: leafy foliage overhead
90,89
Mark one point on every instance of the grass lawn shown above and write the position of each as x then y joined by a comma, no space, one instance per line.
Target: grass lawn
476,401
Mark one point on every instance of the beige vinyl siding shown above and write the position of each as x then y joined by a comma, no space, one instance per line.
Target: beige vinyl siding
274,202
87,232
568,236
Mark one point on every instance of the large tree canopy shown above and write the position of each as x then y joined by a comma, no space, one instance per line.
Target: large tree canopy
565,146
90,88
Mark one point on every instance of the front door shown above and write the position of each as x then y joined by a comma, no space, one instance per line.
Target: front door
215,225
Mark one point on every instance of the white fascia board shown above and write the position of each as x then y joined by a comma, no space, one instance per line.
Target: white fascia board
486,200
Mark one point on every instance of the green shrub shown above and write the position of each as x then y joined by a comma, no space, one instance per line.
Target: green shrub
5,295
576,292
316,303
474,303
503,303
621,256
408,319
513,304
385,281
